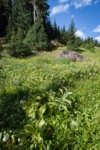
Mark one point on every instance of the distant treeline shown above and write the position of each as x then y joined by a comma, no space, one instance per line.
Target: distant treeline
27,27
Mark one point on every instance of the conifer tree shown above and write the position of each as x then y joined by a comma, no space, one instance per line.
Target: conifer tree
56,30
19,24
20,18
71,43
49,30
40,10
43,7
63,36
36,37
25,32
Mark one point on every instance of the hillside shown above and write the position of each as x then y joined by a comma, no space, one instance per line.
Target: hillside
47,102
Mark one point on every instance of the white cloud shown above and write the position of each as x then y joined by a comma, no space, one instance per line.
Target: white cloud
97,38
97,29
80,34
59,9
64,5
81,3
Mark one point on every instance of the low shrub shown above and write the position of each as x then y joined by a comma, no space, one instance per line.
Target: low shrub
19,49
88,46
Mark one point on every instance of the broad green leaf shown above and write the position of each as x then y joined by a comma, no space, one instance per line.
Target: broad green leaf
41,123
65,100
42,110
39,138
52,103
38,97
29,129
65,108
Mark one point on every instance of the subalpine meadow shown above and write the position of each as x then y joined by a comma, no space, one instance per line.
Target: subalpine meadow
49,75
50,103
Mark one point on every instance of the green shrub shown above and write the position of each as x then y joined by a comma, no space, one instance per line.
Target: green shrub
17,48
89,46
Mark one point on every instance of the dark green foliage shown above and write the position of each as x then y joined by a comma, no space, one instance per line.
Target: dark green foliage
89,43
17,48
88,46
71,43
69,38
4,14
49,30
63,36
20,18
96,43
19,23
43,13
79,41
36,37
21,29
55,31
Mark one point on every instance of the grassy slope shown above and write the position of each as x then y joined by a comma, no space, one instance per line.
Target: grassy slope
48,64
47,71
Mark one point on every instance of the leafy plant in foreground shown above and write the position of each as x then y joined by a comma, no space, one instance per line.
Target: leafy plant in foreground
50,120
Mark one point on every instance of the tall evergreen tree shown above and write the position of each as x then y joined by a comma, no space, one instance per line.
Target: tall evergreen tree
20,18
40,10
49,30
25,32
43,7
38,35
64,36
19,24
55,29
71,43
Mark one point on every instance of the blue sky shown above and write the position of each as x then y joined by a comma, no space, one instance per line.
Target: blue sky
86,14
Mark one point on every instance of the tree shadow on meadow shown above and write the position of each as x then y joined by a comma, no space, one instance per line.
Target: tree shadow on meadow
12,115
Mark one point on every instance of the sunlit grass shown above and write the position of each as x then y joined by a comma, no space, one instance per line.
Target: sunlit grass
24,80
